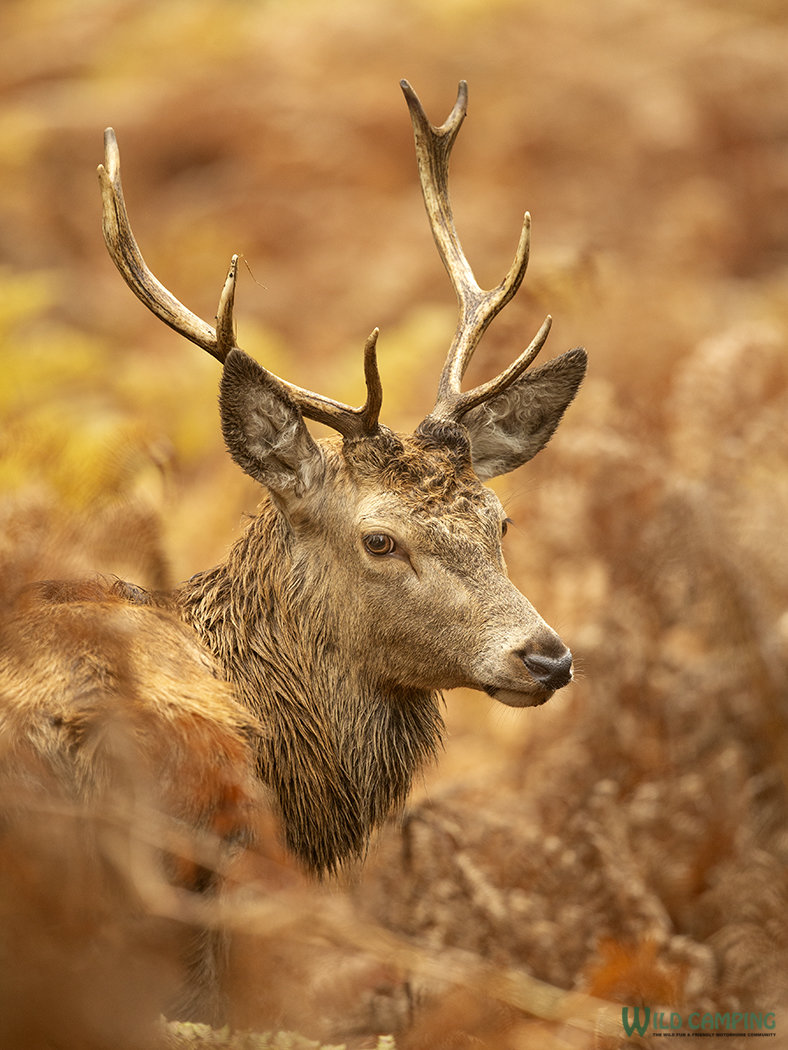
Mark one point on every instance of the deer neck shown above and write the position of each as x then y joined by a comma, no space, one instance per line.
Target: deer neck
340,748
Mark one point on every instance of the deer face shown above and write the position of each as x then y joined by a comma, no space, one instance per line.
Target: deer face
432,602
406,539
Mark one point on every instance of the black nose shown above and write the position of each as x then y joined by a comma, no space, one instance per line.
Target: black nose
553,672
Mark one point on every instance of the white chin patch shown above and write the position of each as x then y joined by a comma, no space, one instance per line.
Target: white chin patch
513,699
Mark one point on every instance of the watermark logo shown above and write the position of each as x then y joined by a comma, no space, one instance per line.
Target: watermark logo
641,1015
647,1020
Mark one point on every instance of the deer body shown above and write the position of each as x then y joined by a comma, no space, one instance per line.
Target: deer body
371,578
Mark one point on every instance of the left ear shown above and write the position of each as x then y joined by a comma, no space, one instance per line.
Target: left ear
513,426
264,430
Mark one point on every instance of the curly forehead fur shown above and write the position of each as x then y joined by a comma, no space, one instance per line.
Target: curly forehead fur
430,470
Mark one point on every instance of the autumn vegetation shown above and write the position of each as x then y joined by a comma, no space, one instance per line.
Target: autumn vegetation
628,842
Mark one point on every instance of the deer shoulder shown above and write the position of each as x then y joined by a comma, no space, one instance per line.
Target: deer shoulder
105,686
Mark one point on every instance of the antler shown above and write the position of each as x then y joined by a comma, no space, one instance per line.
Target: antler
125,253
477,307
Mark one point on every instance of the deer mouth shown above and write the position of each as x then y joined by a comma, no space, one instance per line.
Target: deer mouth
517,698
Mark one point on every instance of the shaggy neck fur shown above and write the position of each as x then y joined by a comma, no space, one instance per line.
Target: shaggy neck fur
340,749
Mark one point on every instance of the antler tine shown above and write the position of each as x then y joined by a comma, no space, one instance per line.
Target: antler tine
349,422
477,307
219,341
125,253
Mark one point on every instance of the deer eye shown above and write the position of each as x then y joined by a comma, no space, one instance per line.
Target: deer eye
379,544
505,525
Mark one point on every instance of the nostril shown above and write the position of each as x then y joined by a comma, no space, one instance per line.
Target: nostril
551,671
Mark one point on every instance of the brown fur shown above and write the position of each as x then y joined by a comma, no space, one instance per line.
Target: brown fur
126,764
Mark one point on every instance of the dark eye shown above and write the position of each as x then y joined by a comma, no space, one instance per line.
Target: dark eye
379,543
505,525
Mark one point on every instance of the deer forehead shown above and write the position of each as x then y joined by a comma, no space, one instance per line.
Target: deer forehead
429,494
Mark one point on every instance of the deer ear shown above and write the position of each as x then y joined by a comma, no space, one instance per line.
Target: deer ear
513,426
264,430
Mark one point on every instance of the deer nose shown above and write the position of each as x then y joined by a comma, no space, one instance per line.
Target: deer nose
550,670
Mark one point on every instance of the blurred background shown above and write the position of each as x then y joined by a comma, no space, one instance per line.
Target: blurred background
630,838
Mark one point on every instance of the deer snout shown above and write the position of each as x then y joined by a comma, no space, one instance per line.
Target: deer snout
551,668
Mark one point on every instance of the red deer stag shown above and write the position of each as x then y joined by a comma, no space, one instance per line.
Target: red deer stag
370,579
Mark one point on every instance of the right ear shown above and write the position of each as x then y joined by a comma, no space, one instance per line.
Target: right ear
264,430
511,427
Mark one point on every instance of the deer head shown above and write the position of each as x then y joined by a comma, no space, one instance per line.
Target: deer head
394,536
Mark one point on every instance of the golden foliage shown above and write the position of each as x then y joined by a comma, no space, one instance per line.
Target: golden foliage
630,839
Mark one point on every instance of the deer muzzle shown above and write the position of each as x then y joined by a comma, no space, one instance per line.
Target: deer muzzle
526,671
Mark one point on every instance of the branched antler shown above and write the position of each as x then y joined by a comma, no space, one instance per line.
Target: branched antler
477,307
125,253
